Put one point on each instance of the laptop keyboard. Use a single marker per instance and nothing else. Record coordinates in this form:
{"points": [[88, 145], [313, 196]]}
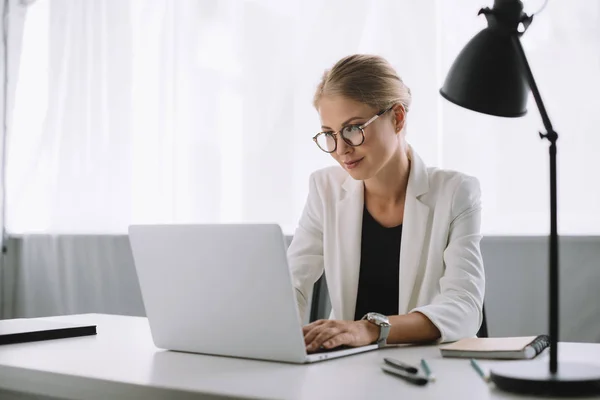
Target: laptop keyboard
{"points": [[324, 350]]}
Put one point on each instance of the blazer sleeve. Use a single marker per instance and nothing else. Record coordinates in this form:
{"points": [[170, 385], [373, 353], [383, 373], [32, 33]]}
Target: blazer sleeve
{"points": [[457, 310], [305, 254]]}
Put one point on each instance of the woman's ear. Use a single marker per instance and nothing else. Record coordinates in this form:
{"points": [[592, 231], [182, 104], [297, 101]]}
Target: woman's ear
{"points": [[399, 117]]}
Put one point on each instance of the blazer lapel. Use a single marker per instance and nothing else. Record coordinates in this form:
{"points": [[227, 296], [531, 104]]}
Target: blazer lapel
{"points": [[349, 213], [349, 228], [414, 228]]}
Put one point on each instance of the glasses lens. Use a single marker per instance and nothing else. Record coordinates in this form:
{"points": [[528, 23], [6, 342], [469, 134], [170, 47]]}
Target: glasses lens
{"points": [[326, 142], [352, 135]]}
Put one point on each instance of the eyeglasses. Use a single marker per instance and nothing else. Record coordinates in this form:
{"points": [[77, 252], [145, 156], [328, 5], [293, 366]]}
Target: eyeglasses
{"points": [[353, 135]]}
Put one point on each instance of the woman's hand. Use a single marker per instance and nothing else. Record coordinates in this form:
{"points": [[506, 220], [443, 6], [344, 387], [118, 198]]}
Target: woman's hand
{"points": [[330, 334]]}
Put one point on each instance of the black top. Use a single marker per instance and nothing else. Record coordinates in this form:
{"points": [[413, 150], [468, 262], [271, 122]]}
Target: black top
{"points": [[378, 283]]}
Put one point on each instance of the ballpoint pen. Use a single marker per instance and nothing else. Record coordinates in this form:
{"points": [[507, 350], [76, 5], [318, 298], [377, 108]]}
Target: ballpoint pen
{"points": [[412, 378], [427, 370], [399, 364], [479, 371]]}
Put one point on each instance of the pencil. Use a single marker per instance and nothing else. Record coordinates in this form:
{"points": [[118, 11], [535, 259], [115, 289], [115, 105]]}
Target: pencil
{"points": [[479, 371], [427, 370]]}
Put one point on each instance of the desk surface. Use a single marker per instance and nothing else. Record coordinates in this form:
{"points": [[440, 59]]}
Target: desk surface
{"points": [[122, 361]]}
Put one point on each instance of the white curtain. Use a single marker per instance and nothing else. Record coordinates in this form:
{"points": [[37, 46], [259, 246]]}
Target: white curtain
{"points": [[131, 111], [11, 28], [200, 111], [187, 111]]}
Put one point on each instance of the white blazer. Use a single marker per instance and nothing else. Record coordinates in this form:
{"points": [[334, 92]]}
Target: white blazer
{"points": [[441, 268]]}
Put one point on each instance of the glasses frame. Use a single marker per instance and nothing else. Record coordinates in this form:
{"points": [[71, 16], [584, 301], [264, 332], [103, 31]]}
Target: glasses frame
{"points": [[339, 133]]}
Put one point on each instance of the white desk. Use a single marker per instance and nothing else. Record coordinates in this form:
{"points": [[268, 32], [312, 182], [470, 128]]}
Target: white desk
{"points": [[122, 362]]}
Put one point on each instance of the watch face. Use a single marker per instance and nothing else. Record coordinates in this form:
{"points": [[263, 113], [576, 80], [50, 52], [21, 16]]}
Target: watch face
{"points": [[378, 319]]}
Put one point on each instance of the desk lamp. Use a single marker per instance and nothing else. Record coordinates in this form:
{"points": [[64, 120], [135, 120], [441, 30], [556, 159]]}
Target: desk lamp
{"points": [[491, 75]]}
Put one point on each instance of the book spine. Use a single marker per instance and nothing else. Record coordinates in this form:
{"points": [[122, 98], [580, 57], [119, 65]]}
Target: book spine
{"points": [[540, 343]]}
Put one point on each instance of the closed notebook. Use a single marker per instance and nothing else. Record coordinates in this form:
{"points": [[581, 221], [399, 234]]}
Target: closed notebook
{"points": [[508, 348], [30, 330]]}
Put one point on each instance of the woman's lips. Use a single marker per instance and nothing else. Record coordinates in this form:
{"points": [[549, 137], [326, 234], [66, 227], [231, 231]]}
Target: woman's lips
{"points": [[352, 164]]}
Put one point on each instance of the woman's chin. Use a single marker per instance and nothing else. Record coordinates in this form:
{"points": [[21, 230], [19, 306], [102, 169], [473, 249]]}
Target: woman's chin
{"points": [[359, 174]]}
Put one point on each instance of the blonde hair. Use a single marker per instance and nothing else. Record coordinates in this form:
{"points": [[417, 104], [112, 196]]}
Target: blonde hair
{"points": [[368, 79]]}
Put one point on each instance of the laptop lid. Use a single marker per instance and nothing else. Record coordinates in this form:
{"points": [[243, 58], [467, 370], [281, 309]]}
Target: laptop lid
{"points": [[220, 289]]}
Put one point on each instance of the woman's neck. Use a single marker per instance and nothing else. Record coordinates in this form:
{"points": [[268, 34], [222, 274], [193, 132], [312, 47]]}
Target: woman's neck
{"points": [[389, 185]]}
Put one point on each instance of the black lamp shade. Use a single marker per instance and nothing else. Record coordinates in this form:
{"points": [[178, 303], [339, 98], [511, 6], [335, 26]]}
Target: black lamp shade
{"points": [[486, 76]]}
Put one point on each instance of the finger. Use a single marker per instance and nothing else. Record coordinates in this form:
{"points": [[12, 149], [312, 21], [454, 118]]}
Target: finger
{"points": [[343, 338], [316, 327], [323, 336], [315, 331], [307, 328]]}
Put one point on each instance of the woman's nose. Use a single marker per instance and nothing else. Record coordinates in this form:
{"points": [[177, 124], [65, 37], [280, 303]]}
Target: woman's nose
{"points": [[342, 146]]}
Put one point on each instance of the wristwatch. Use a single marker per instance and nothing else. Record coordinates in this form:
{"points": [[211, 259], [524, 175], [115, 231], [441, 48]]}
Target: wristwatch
{"points": [[383, 323]]}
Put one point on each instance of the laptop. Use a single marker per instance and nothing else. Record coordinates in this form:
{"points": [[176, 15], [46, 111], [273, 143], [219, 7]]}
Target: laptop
{"points": [[222, 289]]}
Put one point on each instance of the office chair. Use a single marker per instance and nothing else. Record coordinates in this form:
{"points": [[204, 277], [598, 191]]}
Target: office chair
{"points": [[319, 297], [483, 330]]}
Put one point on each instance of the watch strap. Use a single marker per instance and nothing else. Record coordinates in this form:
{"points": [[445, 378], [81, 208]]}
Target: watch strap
{"points": [[384, 331]]}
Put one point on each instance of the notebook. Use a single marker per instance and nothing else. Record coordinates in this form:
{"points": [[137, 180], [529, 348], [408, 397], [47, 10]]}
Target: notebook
{"points": [[30, 330], [509, 348]]}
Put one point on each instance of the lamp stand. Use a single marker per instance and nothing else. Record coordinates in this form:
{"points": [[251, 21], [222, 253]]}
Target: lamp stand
{"points": [[563, 378]]}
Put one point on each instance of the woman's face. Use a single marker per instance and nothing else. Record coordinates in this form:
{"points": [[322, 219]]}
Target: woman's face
{"points": [[381, 136]]}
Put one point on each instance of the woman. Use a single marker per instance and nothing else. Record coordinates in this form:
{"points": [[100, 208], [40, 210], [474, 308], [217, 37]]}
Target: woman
{"points": [[398, 242]]}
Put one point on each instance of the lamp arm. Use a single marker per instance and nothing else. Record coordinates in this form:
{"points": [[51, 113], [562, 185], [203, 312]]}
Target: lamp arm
{"points": [[533, 86], [552, 137]]}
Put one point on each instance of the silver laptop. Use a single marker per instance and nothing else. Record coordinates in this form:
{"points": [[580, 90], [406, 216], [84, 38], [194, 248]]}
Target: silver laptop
{"points": [[222, 289]]}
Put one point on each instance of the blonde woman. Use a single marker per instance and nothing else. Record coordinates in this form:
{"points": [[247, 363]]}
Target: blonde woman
{"points": [[398, 241]]}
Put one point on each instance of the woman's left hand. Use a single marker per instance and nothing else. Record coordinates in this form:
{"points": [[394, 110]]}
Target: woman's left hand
{"points": [[330, 334]]}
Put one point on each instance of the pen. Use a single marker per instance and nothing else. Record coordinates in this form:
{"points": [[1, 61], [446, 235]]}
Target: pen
{"points": [[412, 378], [399, 364], [479, 371], [427, 370]]}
